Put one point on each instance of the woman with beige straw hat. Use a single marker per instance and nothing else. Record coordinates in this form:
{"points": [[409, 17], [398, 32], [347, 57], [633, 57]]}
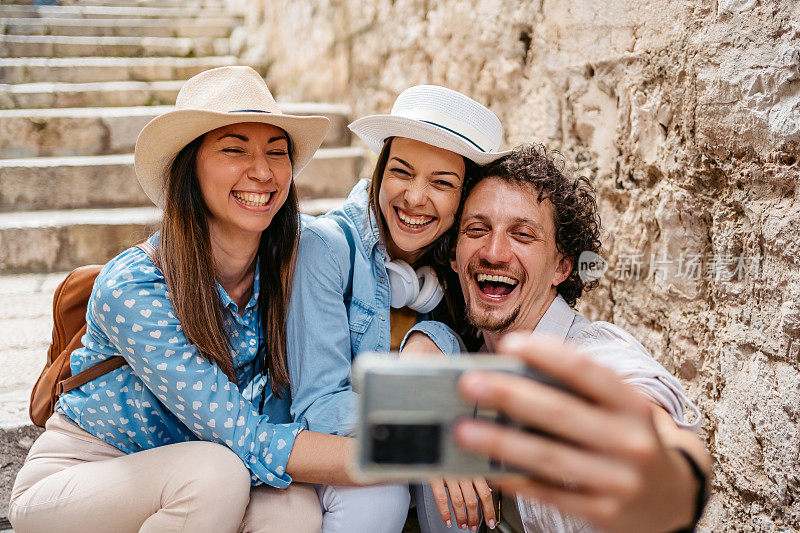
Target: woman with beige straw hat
{"points": [[368, 271], [198, 410]]}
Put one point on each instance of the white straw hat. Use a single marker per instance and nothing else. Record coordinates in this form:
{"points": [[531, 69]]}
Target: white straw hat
{"points": [[440, 117], [212, 99]]}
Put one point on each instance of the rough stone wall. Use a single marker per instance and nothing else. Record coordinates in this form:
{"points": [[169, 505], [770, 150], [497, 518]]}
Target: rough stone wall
{"points": [[686, 117]]}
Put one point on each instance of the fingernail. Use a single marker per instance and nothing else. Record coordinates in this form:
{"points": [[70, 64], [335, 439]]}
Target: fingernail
{"points": [[464, 527], [475, 386], [474, 529], [491, 523], [448, 523], [467, 433]]}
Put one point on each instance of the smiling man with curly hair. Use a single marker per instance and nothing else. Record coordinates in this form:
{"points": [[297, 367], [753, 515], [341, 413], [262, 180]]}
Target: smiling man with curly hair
{"points": [[621, 453]]}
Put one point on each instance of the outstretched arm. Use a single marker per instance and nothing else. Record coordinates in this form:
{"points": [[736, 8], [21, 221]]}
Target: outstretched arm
{"points": [[614, 457]]}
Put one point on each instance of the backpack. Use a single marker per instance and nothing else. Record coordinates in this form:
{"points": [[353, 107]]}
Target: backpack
{"points": [[69, 324]]}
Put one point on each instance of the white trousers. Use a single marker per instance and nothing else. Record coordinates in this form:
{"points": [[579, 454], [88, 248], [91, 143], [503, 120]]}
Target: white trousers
{"points": [[376, 509], [74, 482]]}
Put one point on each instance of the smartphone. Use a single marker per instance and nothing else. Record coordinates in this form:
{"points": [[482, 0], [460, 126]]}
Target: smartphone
{"points": [[407, 409]]}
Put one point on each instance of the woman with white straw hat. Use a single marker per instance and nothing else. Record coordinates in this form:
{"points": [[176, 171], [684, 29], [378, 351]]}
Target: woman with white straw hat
{"points": [[173, 438], [368, 271]]}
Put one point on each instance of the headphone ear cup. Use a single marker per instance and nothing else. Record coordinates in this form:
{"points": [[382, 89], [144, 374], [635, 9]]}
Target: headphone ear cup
{"points": [[403, 283], [430, 292]]}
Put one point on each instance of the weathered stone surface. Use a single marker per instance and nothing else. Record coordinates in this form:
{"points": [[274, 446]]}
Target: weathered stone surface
{"points": [[101, 69], [69, 182], [127, 27], [116, 11], [47, 241], [331, 174], [14, 446], [59, 46], [686, 117], [103, 94], [133, 3]]}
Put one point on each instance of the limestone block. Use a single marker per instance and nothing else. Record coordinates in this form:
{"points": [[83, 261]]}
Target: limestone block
{"points": [[64, 183], [122, 133], [42, 136], [24, 249], [330, 175], [85, 244]]}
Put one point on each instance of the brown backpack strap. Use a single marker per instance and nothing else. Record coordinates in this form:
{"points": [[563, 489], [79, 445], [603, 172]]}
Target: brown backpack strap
{"points": [[95, 371], [150, 250], [110, 364]]}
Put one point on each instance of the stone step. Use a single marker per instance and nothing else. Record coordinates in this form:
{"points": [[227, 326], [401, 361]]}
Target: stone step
{"points": [[113, 130], [102, 94], [208, 4], [47, 183], [102, 69], [26, 324], [87, 11], [134, 27], [60, 46], [49, 241], [45, 241]]}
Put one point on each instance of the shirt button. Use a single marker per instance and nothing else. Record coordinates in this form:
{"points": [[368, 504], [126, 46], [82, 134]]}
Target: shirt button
{"points": [[383, 280]]}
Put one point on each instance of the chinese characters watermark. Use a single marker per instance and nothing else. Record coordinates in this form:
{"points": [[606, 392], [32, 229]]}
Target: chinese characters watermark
{"points": [[689, 267]]}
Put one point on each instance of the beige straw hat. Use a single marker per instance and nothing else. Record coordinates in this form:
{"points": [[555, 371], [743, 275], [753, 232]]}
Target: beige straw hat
{"points": [[440, 117], [210, 100]]}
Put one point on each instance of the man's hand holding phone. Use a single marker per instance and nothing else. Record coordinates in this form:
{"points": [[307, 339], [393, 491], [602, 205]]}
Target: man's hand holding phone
{"points": [[606, 454]]}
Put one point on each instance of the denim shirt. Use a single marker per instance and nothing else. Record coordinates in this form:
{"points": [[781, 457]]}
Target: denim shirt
{"points": [[340, 308], [168, 392]]}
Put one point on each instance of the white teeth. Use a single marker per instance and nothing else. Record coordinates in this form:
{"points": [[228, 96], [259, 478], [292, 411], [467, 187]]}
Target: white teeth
{"points": [[253, 199], [414, 221], [497, 279]]}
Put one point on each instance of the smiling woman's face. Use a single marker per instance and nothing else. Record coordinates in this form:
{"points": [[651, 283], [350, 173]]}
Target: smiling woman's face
{"points": [[419, 195], [244, 172]]}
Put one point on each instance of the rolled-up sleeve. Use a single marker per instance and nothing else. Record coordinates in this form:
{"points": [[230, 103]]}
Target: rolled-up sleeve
{"points": [[618, 350], [133, 311], [447, 340], [318, 340]]}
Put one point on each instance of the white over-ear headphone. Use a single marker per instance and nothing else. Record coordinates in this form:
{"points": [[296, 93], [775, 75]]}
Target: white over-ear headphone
{"points": [[419, 290]]}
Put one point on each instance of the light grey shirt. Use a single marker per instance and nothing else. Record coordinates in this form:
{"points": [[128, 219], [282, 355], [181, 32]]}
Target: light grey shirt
{"points": [[612, 347]]}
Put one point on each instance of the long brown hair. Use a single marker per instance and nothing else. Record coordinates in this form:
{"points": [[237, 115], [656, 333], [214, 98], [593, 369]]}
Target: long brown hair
{"points": [[437, 255], [186, 260]]}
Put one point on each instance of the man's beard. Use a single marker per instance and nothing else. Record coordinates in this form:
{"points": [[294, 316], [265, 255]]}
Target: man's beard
{"points": [[487, 323]]}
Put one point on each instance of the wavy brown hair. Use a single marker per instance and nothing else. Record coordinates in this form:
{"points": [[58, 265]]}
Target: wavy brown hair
{"points": [[575, 215], [185, 258]]}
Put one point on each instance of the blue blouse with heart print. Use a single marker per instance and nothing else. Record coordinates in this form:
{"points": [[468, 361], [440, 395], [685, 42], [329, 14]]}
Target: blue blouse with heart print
{"points": [[168, 392]]}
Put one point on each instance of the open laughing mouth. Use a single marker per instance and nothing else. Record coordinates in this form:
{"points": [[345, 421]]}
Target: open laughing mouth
{"points": [[495, 286], [412, 222], [253, 199]]}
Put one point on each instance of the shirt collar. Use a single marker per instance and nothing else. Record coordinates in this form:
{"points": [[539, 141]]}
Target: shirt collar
{"points": [[228, 302], [557, 320], [366, 222]]}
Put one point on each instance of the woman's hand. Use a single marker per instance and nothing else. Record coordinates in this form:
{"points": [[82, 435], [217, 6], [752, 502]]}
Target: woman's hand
{"points": [[468, 496], [606, 454]]}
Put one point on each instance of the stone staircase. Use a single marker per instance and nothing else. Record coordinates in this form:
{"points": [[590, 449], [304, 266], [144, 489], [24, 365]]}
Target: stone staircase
{"points": [[78, 81]]}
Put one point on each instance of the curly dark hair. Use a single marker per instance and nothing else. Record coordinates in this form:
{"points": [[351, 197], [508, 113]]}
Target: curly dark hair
{"points": [[575, 215]]}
